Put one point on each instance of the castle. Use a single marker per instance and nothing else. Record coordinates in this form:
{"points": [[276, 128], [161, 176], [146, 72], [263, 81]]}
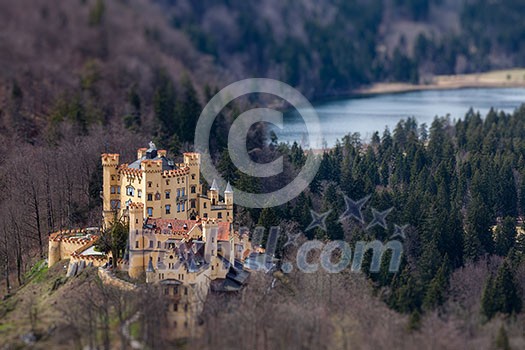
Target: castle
{"points": [[165, 189], [179, 237]]}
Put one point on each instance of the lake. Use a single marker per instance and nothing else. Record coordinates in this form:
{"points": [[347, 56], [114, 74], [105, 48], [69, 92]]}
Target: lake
{"points": [[368, 114]]}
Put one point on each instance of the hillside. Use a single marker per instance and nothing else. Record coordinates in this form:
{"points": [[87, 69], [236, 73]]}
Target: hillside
{"points": [[94, 61]]}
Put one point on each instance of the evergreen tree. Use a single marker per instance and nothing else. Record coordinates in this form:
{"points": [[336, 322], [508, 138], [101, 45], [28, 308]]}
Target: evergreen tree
{"points": [[505, 236], [164, 104], [501, 294], [436, 292], [479, 225], [187, 111]]}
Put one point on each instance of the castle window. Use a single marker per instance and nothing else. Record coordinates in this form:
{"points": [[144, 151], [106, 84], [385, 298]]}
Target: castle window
{"points": [[183, 191], [182, 206], [178, 180], [204, 205], [192, 203], [136, 221], [149, 183], [182, 180], [178, 192], [150, 211], [115, 204], [193, 176], [112, 177], [157, 196], [167, 182], [139, 193], [167, 194], [150, 196], [151, 244], [178, 207], [193, 189], [118, 189], [205, 215], [136, 244], [175, 307], [112, 189], [130, 191], [219, 215], [168, 209], [227, 213]]}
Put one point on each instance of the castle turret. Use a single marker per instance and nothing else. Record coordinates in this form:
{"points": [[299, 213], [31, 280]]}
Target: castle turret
{"points": [[213, 193], [110, 194], [54, 252], [228, 195], [150, 271]]}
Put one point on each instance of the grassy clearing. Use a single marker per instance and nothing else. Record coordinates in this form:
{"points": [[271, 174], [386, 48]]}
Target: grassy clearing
{"points": [[38, 272]]}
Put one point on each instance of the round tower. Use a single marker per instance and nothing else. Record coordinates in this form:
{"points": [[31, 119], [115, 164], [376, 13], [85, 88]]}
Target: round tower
{"points": [[228, 195], [54, 252], [213, 193]]}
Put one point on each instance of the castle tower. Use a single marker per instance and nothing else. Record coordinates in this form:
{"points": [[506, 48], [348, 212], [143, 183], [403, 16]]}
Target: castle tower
{"points": [[193, 162], [54, 252], [110, 196], [228, 196], [210, 231], [137, 259], [213, 193]]}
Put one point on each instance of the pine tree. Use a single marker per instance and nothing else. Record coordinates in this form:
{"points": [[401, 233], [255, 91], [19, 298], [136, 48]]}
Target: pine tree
{"points": [[479, 223], [505, 236], [187, 111], [164, 104], [437, 289], [501, 294]]}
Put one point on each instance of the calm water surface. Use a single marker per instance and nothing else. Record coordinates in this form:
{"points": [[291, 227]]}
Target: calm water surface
{"points": [[366, 115]]}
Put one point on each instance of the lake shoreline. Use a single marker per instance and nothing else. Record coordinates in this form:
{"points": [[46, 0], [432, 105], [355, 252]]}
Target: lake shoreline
{"points": [[511, 78]]}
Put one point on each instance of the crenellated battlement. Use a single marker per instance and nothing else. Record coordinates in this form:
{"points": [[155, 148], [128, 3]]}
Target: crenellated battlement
{"points": [[135, 205], [151, 165], [177, 172], [110, 159], [124, 169]]}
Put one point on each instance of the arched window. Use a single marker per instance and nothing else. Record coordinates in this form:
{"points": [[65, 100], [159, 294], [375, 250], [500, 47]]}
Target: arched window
{"points": [[130, 191]]}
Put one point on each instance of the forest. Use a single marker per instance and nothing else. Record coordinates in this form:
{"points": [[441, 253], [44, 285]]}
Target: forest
{"points": [[79, 78]]}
